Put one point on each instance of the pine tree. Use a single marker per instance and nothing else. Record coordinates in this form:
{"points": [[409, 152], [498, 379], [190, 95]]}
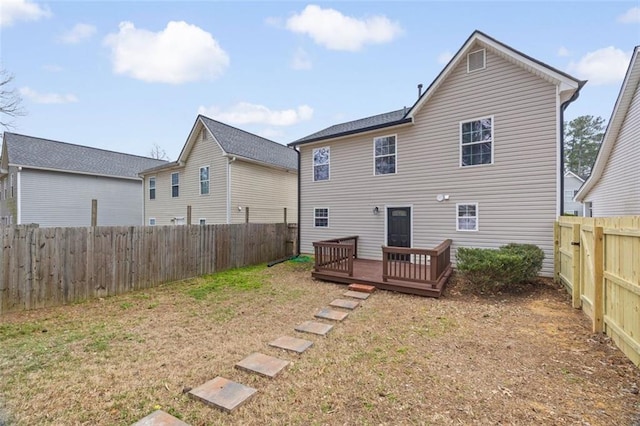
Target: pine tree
{"points": [[582, 139]]}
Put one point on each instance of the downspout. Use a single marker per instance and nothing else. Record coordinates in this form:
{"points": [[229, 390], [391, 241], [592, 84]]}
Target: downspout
{"points": [[299, 203], [564, 106], [19, 198], [229, 161]]}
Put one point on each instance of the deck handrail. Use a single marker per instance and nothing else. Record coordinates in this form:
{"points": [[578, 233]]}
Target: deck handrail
{"points": [[336, 255], [416, 265]]}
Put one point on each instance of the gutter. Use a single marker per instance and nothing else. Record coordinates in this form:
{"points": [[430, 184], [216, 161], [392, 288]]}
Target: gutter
{"points": [[351, 132]]}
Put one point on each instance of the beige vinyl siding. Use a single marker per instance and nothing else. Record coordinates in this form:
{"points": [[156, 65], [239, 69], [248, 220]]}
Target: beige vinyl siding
{"points": [[64, 199], [617, 192], [212, 207], [267, 191], [516, 195]]}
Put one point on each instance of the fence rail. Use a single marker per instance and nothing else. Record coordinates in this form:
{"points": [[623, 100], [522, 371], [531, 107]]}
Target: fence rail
{"points": [[41, 267], [598, 261]]}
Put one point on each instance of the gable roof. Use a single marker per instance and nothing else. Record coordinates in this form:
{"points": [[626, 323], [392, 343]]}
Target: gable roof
{"points": [[568, 87], [45, 154], [629, 88], [569, 173]]}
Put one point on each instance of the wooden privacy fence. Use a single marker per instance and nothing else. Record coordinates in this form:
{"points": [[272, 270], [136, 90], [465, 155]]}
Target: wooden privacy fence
{"points": [[42, 267], [598, 261]]}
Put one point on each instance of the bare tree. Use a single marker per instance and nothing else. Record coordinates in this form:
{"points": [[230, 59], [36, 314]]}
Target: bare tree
{"points": [[10, 100], [158, 153]]}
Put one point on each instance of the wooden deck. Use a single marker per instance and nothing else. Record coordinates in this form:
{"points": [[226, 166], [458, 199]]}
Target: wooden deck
{"points": [[370, 272]]}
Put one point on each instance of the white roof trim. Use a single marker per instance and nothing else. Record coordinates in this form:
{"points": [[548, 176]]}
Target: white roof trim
{"points": [[569, 173], [75, 172], [627, 91]]}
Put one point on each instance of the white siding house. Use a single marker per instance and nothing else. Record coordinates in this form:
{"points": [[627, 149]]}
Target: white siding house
{"points": [[476, 159], [220, 172], [53, 183], [613, 189], [572, 183]]}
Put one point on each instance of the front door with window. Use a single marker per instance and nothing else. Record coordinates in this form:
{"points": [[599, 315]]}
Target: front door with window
{"points": [[399, 228]]}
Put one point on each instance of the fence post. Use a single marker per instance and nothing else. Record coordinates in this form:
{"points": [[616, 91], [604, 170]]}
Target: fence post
{"points": [[598, 279], [556, 252], [575, 267], [246, 214], [94, 212], [285, 215], [188, 215]]}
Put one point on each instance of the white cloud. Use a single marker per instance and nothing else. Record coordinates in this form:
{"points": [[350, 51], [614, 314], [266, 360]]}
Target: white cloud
{"points": [[247, 113], [603, 66], [301, 60], [271, 133], [180, 53], [47, 98], [563, 51], [78, 33], [335, 31], [21, 10], [445, 57], [631, 16]]}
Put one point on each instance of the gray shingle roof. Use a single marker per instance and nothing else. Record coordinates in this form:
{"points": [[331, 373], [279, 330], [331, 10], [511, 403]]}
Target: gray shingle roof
{"points": [[28, 151], [357, 126], [244, 144]]}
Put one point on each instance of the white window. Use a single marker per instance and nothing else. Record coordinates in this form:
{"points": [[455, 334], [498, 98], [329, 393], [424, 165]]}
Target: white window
{"points": [[476, 142], [467, 217], [175, 184], [569, 194], [588, 209], [321, 157], [12, 186], [152, 188], [179, 221], [202, 221], [384, 155], [321, 218], [204, 180], [476, 60], [152, 221]]}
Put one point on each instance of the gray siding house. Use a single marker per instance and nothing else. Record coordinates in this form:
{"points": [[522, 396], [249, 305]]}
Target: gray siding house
{"points": [[613, 188], [572, 183], [476, 159], [220, 172], [53, 183]]}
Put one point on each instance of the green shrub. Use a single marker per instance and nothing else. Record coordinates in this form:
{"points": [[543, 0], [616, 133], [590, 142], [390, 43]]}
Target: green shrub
{"points": [[493, 269]]}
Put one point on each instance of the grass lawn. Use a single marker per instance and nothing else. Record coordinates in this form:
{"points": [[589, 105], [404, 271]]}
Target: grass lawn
{"points": [[463, 359]]}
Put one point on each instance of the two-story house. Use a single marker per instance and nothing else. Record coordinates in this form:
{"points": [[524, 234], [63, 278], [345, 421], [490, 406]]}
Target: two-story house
{"points": [[54, 183], [221, 172], [476, 159], [572, 183]]}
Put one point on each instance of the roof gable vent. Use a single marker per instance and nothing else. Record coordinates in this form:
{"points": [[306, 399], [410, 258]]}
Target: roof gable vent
{"points": [[476, 60]]}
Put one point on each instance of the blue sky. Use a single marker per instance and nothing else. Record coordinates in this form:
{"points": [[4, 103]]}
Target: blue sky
{"points": [[126, 75]]}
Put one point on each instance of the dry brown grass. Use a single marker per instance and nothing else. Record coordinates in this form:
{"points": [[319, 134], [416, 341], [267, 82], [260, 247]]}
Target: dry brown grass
{"points": [[463, 359]]}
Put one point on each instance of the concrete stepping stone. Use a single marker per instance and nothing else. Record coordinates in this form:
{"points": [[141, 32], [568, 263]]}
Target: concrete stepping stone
{"points": [[160, 418], [346, 304], [223, 394], [314, 327], [357, 294], [291, 344], [262, 364], [331, 314], [362, 287]]}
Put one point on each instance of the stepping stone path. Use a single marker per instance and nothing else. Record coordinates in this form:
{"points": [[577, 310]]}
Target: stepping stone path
{"points": [[291, 344], [227, 395], [262, 364]]}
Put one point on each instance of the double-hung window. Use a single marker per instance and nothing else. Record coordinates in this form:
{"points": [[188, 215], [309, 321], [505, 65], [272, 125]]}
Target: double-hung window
{"points": [[175, 184], [384, 155], [467, 217], [321, 218], [204, 180], [152, 188], [476, 142], [321, 159], [152, 221]]}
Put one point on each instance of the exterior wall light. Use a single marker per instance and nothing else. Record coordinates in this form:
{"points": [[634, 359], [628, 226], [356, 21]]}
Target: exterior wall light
{"points": [[376, 210]]}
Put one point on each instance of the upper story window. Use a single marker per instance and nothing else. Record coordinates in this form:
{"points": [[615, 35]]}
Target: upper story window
{"points": [[152, 188], [476, 60], [384, 155], [476, 142], [467, 217], [321, 157], [204, 180], [175, 184]]}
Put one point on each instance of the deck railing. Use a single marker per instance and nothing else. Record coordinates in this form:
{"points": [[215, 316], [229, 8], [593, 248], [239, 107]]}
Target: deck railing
{"points": [[336, 255], [416, 265]]}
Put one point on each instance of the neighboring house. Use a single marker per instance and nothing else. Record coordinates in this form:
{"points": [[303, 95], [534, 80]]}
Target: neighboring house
{"points": [[220, 172], [53, 183], [476, 159], [613, 188], [572, 183]]}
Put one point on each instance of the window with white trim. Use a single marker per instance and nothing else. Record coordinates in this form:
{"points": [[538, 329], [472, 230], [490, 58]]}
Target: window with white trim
{"points": [[467, 217], [384, 155], [152, 221], [175, 184], [321, 217], [152, 188], [202, 221], [321, 159], [476, 60], [569, 194], [204, 180], [476, 142]]}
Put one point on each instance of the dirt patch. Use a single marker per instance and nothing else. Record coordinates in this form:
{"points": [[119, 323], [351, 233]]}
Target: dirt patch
{"points": [[525, 358]]}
